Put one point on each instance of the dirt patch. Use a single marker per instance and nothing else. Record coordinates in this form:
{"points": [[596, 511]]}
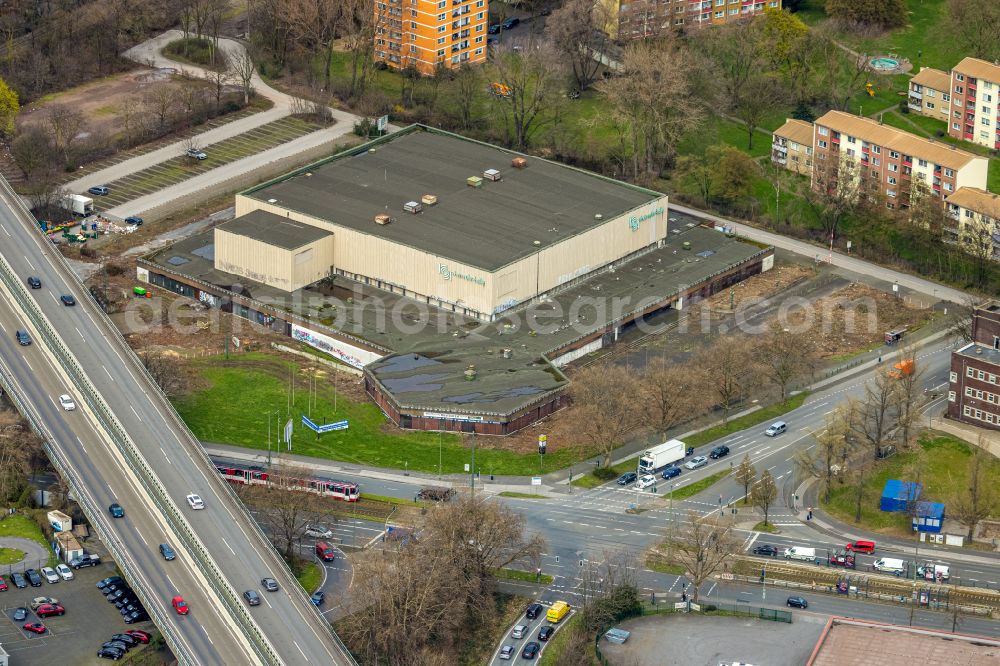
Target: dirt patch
{"points": [[762, 285]]}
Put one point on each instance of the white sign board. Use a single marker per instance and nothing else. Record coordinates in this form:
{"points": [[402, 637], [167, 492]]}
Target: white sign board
{"points": [[382, 123], [536, 480]]}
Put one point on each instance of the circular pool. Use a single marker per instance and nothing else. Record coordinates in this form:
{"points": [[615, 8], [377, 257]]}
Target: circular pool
{"points": [[884, 64]]}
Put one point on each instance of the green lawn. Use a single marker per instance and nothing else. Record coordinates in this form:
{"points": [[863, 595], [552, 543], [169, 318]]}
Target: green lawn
{"points": [[20, 525], [11, 555], [527, 576], [762, 415], [718, 130], [943, 476], [659, 565], [559, 643], [232, 408], [311, 577], [693, 489], [765, 527], [510, 493], [927, 41]]}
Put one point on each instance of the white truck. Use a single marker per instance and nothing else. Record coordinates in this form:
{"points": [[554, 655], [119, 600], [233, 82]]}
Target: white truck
{"points": [[78, 204], [890, 565], [800, 553], [661, 455]]}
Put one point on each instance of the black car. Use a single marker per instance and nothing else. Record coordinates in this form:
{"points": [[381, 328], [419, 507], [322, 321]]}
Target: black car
{"points": [[533, 611], [129, 641], [511, 22], [765, 549], [797, 602], [167, 552], [530, 650], [627, 478], [115, 645], [118, 595], [136, 616], [18, 580], [134, 607], [137, 221], [690, 451], [253, 599], [110, 653], [34, 282], [85, 561], [671, 471], [127, 600], [110, 580], [67, 300], [545, 633], [33, 577], [494, 29], [114, 587], [719, 452], [22, 337]]}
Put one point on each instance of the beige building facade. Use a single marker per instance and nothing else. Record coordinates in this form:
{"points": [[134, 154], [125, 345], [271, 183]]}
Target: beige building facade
{"points": [[792, 146], [977, 220], [930, 94], [975, 102]]}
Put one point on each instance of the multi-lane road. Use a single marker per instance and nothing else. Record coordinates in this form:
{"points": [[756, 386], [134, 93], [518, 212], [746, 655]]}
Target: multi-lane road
{"points": [[293, 632]]}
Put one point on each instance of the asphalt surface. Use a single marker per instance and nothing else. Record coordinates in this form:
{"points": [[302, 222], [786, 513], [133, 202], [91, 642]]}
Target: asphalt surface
{"points": [[290, 624]]}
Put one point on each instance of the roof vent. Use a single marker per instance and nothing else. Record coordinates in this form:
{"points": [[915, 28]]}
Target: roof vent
{"points": [[979, 350], [272, 201], [536, 243], [598, 216], [474, 181], [412, 207], [519, 163], [506, 353], [492, 174], [382, 219], [428, 199], [470, 373]]}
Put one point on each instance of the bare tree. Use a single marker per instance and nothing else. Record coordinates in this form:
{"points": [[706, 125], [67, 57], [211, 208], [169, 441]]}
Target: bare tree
{"points": [[785, 356], [870, 418], [727, 370], [978, 499], [977, 24], [18, 445], [360, 23], [285, 509], [608, 589], [604, 406], [467, 95], [533, 84], [243, 67], [671, 394], [763, 95], [577, 33], [763, 494], [907, 395], [65, 126], [701, 548], [315, 23], [220, 77], [165, 370], [745, 474], [828, 456], [160, 102]]}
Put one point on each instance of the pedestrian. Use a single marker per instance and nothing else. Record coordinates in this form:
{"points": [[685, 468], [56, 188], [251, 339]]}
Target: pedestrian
{"points": [[810, 515], [720, 499], [684, 597]]}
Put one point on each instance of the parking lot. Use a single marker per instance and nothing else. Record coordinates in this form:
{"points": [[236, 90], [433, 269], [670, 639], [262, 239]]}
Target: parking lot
{"points": [[73, 638]]}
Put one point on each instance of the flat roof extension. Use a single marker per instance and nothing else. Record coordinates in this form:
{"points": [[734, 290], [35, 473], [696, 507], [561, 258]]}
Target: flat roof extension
{"points": [[273, 230], [487, 227]]}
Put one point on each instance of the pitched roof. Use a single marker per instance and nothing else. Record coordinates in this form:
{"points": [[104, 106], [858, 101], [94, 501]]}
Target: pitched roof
{"points": [[932, 78], [981, 69], [977, 200], [798, 131], [870, 131]]}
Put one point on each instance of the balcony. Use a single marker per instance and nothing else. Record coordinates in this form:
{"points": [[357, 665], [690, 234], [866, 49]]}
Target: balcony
{"points": [[916, 93]]}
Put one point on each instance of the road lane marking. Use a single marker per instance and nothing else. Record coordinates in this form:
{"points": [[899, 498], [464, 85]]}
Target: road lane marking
{"points": [[81, 334], [165, 456], [143, 538], [135, 412], [29, 262], [54, 298], [300, 651], [229, 547], [110, 377], [80, 441], [209, 637], [5, 231]]}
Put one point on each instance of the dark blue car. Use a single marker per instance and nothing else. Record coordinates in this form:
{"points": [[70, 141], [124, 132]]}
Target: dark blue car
{"points": [[627, 478], [671, 471], [317, 598], [99, 190]]}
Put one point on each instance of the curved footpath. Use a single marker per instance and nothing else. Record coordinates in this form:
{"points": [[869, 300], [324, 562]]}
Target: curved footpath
{"points": [[34, 552]]}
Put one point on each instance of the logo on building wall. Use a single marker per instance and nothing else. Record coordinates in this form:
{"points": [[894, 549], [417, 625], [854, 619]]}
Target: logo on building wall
{"points": [[636, 220], [447, 274]]}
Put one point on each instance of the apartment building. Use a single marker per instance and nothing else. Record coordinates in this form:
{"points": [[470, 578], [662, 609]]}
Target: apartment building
{"points": [[638, 19], [975, 102], [851, 152], [974, 381], [791, 146], [977, 220], [930, 94], [424, 33]]}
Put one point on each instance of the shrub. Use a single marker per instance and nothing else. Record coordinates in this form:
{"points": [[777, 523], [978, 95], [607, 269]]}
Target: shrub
{"points": [[605, 473]]}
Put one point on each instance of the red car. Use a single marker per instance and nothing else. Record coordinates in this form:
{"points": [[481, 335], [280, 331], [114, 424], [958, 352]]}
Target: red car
{"points": [[46, 610], [138, 635], [3, 584], [180, 605], [35, 627]]}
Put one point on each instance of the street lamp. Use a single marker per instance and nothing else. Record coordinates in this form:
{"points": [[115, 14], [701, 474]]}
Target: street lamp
{"points": [[269, 414]]}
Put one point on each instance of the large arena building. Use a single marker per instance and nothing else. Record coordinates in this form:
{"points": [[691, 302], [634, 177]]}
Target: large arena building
{"points": [[442, 219]]}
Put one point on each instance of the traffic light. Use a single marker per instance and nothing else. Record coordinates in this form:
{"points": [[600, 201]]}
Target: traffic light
{"points": [[542, 443]]}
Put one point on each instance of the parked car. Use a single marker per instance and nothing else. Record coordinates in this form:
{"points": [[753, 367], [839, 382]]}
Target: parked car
{"points": [[627, 478], [64, 571], [34, 282], [133, 607], [116, 510], [670, 471], [35, 627], [167, 552], [129, 641], [696, 462], [494, 29], [67, 300], [861, 546], [110, 653], [126, 601], [196, 154], [253, 599], [545, 633], [138, 635], [23, 338], [118, 595], [318, 531], [512, 22], [797, 602], [136, 616], [269, 584], [38, 602], [180, 605], [85, 561], [530, 650], [50, 609], [50, 575], [195, 501], [765, 549], [67, 403], [18, 580], [33, 578], [137, 221], [114, 587], [110, 580], [506, 652], [99, 190], [534, 610], [3, 584], [519, 631], [719, 452], [115, 645], [317, 598], [20, 613]]}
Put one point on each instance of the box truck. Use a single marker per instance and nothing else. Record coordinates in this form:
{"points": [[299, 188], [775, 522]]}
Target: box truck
{"points": [[800, 553], [78, 204], [661, 455]]}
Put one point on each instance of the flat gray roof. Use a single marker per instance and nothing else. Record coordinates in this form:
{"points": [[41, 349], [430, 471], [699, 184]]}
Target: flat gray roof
{"points": [[273, 230], [487, 227]]}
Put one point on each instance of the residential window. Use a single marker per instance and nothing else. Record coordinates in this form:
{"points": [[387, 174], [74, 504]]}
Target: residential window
{"points": [[876, 161], [441, 40], [893, 154], [441, 53], [959, 89], [413, 25], [894, 168], [892, 181], [929, 93], [822, 131], [949, 173], [922, 163], [945, 97], [479, 52], [890, 193], [984, 121], [960, 77], [822, 144], [969, 372], [877, 150], [949, 187], [956, 126], [929, 105], [442, 17], [951, 396], [850, 139], [479, 40], [952, 376]]}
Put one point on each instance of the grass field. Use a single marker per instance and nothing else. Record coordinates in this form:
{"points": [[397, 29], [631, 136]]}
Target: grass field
{"points": [[311, 576], [233, 409], [558, 644], [527, 576], [693, 489], [11, 555], [943, 476], [24, 527], [510, 493]]}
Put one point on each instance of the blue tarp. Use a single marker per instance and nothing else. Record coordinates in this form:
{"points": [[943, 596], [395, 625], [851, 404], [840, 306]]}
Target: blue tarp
{"points": [[898, 494], [929, 517]]}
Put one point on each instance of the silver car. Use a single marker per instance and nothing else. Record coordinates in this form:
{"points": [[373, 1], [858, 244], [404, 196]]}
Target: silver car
{"points": [[318, 532], [520, 631], [49, 574], [695, 463], [506, 652]]}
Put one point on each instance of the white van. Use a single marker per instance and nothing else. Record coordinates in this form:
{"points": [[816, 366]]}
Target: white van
{"points": [[800, 553], [890, 565], [776, 428]]}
